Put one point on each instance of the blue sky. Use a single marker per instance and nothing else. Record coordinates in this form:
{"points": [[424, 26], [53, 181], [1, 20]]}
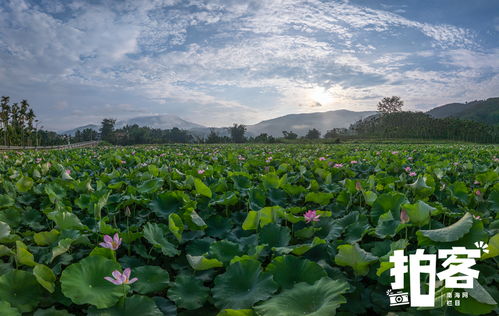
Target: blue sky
{"points": [[220, 62]]}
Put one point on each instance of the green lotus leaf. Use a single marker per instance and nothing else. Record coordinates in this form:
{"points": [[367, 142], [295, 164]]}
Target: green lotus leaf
{"points": [[289, 270], [450, 233], [200, 263], [201, 188], [20, 289], [6, 201], [321, 198], [104, 252], [479, 301], [176, 226], [242, 285], [4, 230], [188, 292], [46, 238], [493, 247], [299, 249], [83, 282], [419, 212], [133, 305], [236, 312], [355, 257], [320, 299], [459, 191], [23, 256], [62, 247], [52, 312], [65, 220], [225, 250], [391, 201], [156, 236], [45, 276], [167, 307], [150, 186], [387, 225], [7, 310], [24, 184], [421, 187], [151, 279], [275, 235], [168, 202]]}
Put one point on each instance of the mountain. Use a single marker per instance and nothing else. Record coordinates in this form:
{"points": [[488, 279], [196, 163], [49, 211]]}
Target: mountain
{"points": [[301, 123], [164, 121], [485, 111], [81, 128]]}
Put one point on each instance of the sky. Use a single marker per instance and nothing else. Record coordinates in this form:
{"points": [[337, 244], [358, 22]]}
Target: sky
{"points": [[220, 62]]}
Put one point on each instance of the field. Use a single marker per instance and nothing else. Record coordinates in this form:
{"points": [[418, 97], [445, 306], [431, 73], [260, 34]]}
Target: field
{"points": [[227, 230]]}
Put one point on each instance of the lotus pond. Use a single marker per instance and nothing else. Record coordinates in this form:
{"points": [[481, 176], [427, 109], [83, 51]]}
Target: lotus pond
{"points": [[270, 230]]}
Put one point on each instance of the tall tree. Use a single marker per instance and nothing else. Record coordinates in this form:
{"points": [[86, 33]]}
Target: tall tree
{"points": [[107, 130], [5, 116], [390, 104], [237, 133], [313, 134]]}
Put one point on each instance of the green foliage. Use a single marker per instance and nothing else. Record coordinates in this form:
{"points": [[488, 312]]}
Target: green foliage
{"points": [[233, 240]]}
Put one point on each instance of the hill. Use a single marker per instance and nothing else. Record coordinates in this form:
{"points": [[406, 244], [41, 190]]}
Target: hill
{"points": [[485, 111], [301, 123]]}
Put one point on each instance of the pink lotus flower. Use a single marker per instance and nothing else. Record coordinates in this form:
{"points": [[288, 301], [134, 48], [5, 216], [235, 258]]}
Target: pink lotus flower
{"points": [[456, 163], [5, 157], [201, 171], [121, 278], [123, 162], [407, 169], [241, 157], [378, 153], [354, 162], [395, 152], [322, 158], [476, 182], [404, 217], [476, 217], [68, 172], [413, 174], [162, 155], [38, 160], [311, 216], [111, 243], [338, 165], [410, 158], [478, 193], [268, 160]]}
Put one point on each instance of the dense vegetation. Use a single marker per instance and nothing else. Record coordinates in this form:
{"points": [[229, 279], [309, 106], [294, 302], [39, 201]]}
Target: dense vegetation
{"points": [[485, 111], [19, 126], [211, 228], [419, 125]]}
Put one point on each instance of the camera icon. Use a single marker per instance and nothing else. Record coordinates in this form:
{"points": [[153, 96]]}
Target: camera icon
{"points": [[399, 298]]}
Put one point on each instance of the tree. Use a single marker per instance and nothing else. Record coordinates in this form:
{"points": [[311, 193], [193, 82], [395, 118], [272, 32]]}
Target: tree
{"points": [[213, 137], [390, 105], [313, 134], [107, 130], [289, 135], [5, 115], [237, 133]]}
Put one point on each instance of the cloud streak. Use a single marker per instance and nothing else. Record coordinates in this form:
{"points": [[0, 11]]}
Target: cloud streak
{"points": [[190, 57]]}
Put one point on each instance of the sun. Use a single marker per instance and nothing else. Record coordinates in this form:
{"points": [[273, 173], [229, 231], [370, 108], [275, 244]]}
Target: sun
{"points": [[321, 95]]}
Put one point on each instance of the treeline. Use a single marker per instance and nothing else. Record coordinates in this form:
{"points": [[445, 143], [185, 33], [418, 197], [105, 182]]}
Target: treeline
{"points": [[19, 126], [420, 125]]}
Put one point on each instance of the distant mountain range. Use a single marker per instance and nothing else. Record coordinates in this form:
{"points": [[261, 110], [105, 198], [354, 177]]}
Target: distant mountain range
{"points": [[486, 111]]}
